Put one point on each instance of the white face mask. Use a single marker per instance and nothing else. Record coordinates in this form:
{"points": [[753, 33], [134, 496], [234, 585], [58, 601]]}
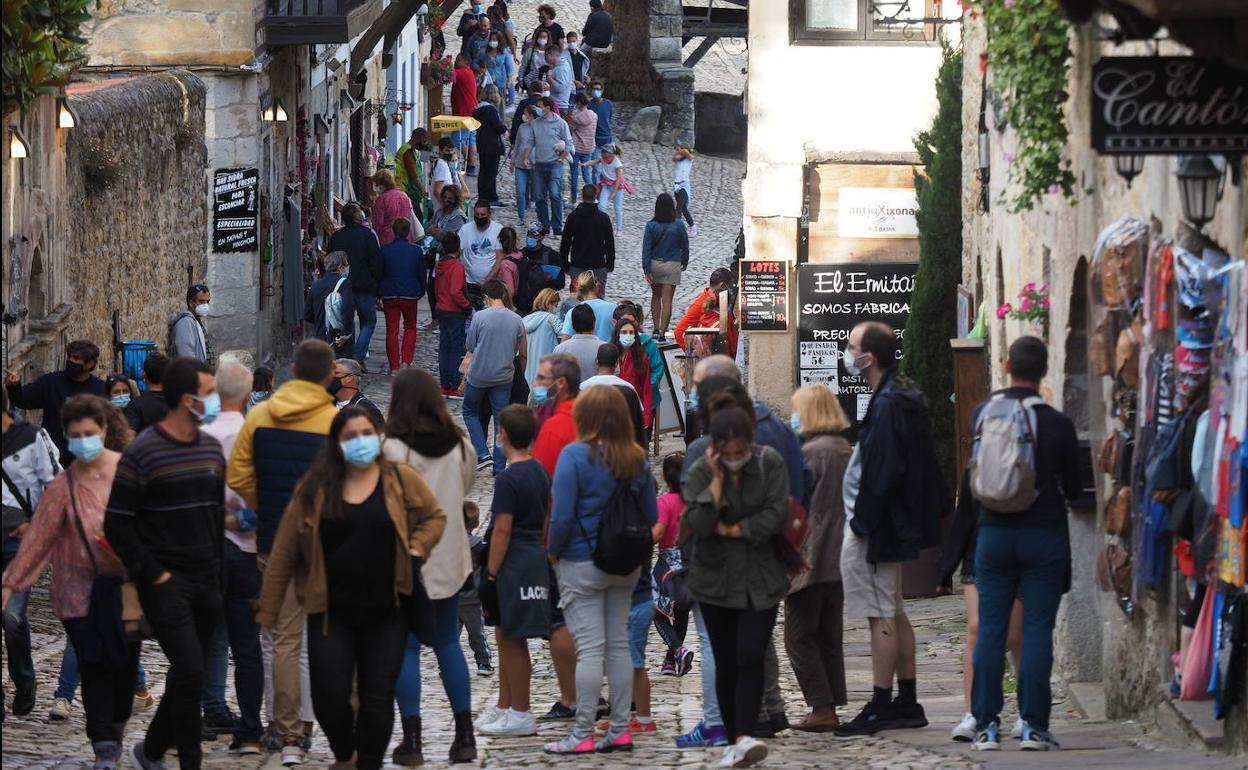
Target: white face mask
{"points": [[851, 362], [541, 42], [203, 310], [545, 93], [493, 44], [737, 464], [574, 46]]}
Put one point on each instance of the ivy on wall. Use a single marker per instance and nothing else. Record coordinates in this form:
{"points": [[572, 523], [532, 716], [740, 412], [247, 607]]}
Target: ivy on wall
{"points": [[42, 46], [933, 309], [1029, 59]]}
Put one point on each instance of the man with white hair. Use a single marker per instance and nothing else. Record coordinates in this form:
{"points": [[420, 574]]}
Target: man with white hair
{"points": [[241, 634], [348, 390]]}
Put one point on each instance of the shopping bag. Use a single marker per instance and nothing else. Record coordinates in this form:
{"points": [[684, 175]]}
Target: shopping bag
{"points": [[1198, 666]]}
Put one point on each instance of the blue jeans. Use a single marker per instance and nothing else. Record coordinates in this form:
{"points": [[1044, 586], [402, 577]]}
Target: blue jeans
{"points": [[1031, 564], [452, 343], [366, 312], [547, 186], [581, 175], [499, 397], [17, 629], [639, 617], [451, 664], [523, 193], [710, 697], [605, 196], [240, 633]]}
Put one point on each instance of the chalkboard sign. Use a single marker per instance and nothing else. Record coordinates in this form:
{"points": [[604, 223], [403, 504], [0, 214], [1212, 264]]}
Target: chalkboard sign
{"points": [[235, 208], [764, 286], [831, 300]]}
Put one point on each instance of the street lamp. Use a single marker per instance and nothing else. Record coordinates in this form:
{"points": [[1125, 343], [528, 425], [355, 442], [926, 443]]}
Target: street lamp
{"points": [[1200, 188], [18, 146], [1129, 165], [274, 112], [66, 115]]}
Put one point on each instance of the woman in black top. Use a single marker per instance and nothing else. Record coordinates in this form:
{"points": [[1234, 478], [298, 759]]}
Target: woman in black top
{"points": [[490, 145]]}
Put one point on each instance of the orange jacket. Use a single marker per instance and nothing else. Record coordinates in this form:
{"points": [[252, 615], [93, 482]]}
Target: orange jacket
{"points": [[693, 318]]}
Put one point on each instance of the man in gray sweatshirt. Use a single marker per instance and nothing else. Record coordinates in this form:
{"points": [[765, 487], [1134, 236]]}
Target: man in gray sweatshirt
{"points": [[497, 343], [552, 142]]}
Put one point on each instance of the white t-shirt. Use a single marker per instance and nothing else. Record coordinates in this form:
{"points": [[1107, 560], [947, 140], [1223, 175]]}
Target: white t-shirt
{"points": [[605, 379], [609, 169], [442, 173], [680, 170], [851, 482], [479, 248]]}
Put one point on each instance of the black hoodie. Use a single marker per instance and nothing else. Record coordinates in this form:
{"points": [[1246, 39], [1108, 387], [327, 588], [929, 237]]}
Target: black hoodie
{"points": [[588, 239]]}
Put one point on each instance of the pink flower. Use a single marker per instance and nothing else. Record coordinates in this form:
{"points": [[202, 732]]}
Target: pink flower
{"points": [[1052, 189], [1044, 289], [1044, 303], [1004, 310], [1009, 157], [1024, 306], [1028, 289], [1009, 3]]}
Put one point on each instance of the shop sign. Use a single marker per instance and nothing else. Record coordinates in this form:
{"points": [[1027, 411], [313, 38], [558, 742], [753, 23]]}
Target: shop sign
{"points": [[877, 212], [764, 291], [831, 300], [1165, 105], [235, 209]]}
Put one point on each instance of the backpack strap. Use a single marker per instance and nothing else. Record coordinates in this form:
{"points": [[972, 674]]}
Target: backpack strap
{"points": [[338, 285]]}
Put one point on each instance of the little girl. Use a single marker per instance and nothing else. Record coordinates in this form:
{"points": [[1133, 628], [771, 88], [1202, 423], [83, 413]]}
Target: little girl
{"points": [[671, 618], [611, 182], [682, 165]]}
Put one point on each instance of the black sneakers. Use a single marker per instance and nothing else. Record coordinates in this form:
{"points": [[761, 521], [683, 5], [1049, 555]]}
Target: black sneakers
{"points": [[908, 715], [894, 716], [558, 712]]}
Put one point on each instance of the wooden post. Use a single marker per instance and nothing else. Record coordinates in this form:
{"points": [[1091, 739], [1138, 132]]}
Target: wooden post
{"points": [[970, 386]]}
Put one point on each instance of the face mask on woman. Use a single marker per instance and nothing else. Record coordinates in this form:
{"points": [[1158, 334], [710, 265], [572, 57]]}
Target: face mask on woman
{"points": [[493, 44], [361, 451], [122, 400], [736, 465], [541, 42], [539, 111], [86, 448], [693, 399], [530, 243], [627, 340], [795, 422]]}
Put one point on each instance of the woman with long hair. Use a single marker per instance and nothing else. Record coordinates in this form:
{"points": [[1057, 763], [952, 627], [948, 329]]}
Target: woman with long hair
{"points": [[634, 364], [120, 390], [664, 256], [66, 532], [591, 471], [737, 498], [507, 265], [421, 435], [813, 610], [353, 539]]}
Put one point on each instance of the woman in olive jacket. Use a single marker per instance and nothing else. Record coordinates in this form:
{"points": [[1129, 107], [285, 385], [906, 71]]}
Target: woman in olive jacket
{"points": [[813, 630], [736, 500], [352, 540]]}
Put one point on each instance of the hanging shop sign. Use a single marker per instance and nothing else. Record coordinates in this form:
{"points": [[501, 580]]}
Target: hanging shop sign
{"points": [[1163, 105], [764, 291], [235, 209], [831, 300], [877, 212]]}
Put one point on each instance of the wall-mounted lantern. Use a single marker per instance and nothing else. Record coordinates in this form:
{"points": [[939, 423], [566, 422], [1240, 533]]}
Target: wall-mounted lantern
{"points": [[19, 147], [1129, 166], [66, 115], [1200, 188]]}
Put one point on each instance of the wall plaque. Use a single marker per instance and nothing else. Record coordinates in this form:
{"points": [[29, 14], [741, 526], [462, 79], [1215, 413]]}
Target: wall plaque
{"points": [[235, 209]]}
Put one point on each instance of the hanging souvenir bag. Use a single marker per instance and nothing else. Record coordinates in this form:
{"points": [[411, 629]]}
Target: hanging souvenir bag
{"points": [[1198, 666]]}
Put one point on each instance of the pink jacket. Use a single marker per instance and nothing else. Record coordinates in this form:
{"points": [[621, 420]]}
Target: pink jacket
{"points": [[584, 123], [53, 536], [389, 206]]}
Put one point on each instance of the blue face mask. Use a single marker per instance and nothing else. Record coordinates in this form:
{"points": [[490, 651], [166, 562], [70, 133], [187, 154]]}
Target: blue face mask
{"points": [[627, 340], [361, 451], [597, 94], [693, 400], [795, 422], [541, 394], [539, 111], [212, 408], [530, 243], [121, 401], [86, 448]]}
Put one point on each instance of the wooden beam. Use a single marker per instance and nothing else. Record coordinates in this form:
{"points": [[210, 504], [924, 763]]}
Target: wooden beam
{"points": [[703, 48]]}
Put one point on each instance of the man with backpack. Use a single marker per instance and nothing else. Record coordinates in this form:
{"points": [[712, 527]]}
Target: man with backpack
{"points": [[367, 268], [187, 338], [588, 241], [331, 305], [894, 499], [1024, 468]]}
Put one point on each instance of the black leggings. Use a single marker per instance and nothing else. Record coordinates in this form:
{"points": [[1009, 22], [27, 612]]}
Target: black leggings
{"points": [[339, 655], [682, 206], [739, 640], [107, 690]]}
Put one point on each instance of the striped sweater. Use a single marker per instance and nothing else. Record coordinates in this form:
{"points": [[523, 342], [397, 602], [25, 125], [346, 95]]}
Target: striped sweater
{"points": [[167, 508]]}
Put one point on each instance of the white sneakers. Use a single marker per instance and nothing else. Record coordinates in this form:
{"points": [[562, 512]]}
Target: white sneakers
{"points": [[745, 752], [965, 730], [512, 723], [488, 717]]}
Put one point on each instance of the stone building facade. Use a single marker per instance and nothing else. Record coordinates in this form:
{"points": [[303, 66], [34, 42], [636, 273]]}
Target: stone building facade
{"points": [[106, 217]]}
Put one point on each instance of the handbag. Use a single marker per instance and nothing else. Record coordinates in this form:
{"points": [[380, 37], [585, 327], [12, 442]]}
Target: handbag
{"points": [[102, 637], [1198, 665]]}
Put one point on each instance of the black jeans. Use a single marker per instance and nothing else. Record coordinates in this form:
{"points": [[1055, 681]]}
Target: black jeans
{"points": [[739, 639], [682, 206], [487, 181], [242, 590], [184, 612], [368, 654], [17, 629], [107, 691]]}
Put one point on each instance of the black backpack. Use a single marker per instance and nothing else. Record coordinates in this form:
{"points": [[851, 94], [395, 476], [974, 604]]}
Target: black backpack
{"points": [[531, 279], [624, 541]]}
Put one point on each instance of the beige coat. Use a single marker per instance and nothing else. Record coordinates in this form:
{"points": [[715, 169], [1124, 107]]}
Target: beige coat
{"points": [[450, 478]]}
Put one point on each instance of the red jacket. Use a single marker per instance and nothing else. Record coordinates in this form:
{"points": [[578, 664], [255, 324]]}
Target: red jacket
{"points": [[448, 286], [639, 377], [463, 91], [694, 318], [557, 432]]}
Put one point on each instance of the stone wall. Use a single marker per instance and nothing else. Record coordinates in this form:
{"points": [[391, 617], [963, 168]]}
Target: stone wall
{"points": [[172, 32], [134, 176], [720, 127]]}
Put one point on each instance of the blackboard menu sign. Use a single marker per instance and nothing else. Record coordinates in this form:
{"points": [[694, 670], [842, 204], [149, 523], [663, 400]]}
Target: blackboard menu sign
{"points": [[831, 300], [235, 209], [1168, 104], [764, 291]]}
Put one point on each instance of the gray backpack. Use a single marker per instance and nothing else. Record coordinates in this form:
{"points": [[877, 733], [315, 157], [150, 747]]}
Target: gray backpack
{"points": [[1003, 457]]}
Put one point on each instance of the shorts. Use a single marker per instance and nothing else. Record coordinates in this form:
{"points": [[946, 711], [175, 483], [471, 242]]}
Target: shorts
{"points": [[639, 618], [871, 590], [463, 136]]}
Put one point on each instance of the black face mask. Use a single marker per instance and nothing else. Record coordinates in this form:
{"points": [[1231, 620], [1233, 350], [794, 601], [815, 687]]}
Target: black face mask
{"points": [[334, 386], [448, 203], [74, 370], [481, 221]]}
